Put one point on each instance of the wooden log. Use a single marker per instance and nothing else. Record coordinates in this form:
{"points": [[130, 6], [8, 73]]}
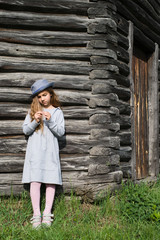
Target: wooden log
{"points": [[51, 6], [43, 20], [140, 20], [74, 162], [155, 4], [66, 97], [125, 138], [122, 54], [68, 144], [19, 111], [95, 169], [100, 12], [84, 178], [14, 127], [7, 190], [25, 80], [104, 86], [50, 52], [123, 68], [43, 65], [50, 38], [102, 25], [122, 92], [148, 6], [124, 153], [124, 121], [71, 178], [102, 44], [147, 41], [123, 41], [76, 126], [101, 74], [111, 160], [124, 107], [101, 150], [122, 24], [143, 15], [122, 80], [11, 165]]}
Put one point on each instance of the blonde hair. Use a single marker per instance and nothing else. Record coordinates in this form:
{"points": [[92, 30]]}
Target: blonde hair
{"points": [[36, 106]]}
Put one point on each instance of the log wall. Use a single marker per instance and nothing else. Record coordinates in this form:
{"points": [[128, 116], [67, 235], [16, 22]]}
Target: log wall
{"points": [[83, 46], [72, 43], [145, 18]]}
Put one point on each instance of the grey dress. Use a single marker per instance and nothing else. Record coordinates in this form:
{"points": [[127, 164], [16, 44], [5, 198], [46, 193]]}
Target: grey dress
{"points": [[42, 162]]}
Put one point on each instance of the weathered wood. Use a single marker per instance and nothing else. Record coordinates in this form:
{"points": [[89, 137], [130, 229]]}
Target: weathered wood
{"points": [[100, 12], [123, 68], [66, 97], [155, 4], [43, 20], [143, 15], [122, 54], [19, 111], [74, 162], [131, 10], [125, 138], [110, 160], [76, 126], [9, 127], [13, 181], [153, 112], [68, 144], [122, 80], [124, 153], [47, 52], [122, 92], [24, 79], [43, 65], [122, 24], [68, 6], [122, 41], [60, 38]]}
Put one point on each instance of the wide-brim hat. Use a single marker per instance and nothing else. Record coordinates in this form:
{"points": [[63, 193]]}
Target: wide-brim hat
{"points": [[39, 86]]}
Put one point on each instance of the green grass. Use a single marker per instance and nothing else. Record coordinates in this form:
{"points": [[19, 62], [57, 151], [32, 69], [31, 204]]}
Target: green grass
{"points": [[131, 213]]}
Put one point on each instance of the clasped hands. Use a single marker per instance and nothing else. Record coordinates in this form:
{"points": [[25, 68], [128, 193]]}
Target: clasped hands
{"points": [[39, 115]]}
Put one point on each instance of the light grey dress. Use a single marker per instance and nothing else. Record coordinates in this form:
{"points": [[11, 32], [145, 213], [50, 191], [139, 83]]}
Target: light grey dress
{"points": [[42, 162]]}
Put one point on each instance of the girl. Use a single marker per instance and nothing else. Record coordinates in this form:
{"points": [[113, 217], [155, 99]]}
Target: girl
{"points": [[43, 124]]}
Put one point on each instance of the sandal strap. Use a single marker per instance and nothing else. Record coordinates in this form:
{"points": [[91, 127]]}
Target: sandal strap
{"points": [[48, 217], [35, 219]]}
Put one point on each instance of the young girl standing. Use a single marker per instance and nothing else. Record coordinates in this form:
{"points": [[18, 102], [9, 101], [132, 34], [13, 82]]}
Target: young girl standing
{"points": [[43, 124]]}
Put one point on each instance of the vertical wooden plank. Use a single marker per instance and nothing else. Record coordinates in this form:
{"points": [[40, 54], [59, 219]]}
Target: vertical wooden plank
{"points": [[141, 112], [153, 105]]}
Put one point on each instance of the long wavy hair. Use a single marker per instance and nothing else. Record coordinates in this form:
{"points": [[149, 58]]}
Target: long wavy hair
{"points": [[36, 106]]}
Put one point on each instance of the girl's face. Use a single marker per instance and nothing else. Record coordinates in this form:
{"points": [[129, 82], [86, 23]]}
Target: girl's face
{"points": [[44, 98]]}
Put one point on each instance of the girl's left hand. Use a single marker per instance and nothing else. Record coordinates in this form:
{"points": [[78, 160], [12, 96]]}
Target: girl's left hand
{"points": [[47, 115]]}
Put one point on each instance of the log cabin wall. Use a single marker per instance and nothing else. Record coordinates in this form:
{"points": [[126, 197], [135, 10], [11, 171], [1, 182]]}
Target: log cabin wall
{"points": [[144, 15], [72, 43], [82, 46]]}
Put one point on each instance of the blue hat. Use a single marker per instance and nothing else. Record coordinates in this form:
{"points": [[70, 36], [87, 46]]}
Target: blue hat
{"points": [[39, 86]]}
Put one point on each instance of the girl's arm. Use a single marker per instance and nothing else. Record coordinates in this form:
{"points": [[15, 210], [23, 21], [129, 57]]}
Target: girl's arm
{"points": [[56, 124], [28, 126]]}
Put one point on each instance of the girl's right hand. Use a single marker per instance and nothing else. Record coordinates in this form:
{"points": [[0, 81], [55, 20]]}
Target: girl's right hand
{"points": [[38, 116]]}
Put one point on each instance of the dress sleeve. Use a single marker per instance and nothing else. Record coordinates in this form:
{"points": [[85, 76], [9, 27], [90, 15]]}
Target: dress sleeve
{"points": [[28, 126], [56, 124]]}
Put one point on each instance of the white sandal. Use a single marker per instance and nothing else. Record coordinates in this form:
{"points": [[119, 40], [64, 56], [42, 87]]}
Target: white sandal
{"points": [[47, 219], [36, 221]]}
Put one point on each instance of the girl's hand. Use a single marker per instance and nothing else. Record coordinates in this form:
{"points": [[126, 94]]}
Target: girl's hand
{"points": [[47, 115], [38, 116]]}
